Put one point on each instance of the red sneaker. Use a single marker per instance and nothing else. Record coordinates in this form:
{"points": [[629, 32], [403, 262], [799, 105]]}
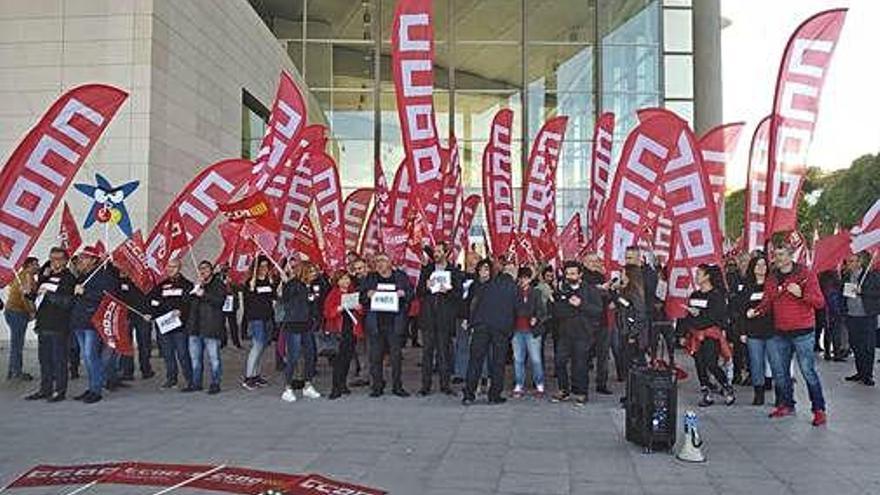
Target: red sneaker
{"points": [[819, 418], [781, 412]]}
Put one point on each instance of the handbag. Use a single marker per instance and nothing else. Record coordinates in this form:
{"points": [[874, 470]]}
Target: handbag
{"points": [[327, 344]]}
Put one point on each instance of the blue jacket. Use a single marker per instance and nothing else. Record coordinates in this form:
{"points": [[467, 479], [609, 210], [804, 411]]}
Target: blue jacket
{"points": [[494, 303], [85, 305]]}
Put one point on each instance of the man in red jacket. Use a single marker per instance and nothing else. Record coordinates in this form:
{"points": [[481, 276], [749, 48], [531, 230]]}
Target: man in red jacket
{"points": [[792, 294]]}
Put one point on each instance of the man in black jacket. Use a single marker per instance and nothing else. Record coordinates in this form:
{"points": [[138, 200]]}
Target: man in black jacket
{"points": [[386, 329], [600, 337], [578, 311], [173, 295], [54, 299], [862, 294], [141, 329], [492, 315], [206, 323], [440, 291]]}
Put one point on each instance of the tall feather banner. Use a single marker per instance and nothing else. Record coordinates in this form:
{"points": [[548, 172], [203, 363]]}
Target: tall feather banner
{"points": [[498, 183]]}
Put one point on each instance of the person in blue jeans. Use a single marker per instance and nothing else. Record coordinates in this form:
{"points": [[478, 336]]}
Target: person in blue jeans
{"points": [[173, 295], [259, 295], [95, 280], [526, 340], [18, 311], [297, 322], [206, 324], [756, 331]]}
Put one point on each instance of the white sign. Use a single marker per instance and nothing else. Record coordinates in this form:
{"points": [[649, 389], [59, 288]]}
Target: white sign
{"points": [[168, 322], [229, 304], [440, 280], [385, 302], [351, 301], [850, 290], [698, 303], [662, 290], [757, 296]]}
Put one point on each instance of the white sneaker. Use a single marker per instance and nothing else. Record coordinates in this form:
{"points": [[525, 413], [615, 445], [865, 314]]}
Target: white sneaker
{"points": [[310, 392], [540, 389], [518, 389], [288, 395]]}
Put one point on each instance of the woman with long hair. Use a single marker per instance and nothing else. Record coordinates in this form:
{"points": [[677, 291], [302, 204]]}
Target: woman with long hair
{"points": [[632, 317], [705, 326], [345, 323], [259, 293], [297, 321], [757, 331]]}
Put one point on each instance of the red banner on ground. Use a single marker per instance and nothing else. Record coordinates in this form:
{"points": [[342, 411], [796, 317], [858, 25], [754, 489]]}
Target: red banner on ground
{"points": [[111, 322], [52, 475], [498, 183], [197, 205], [799, 84], [600, 170], [285, 123], [412, 59], [40, 170]]}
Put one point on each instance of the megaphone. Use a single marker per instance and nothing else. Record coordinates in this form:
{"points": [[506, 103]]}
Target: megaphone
{"points": [[690, 449]]}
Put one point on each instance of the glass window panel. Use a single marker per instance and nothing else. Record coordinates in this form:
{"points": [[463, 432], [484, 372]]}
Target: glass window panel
{"points": [[441, 68], [473, 120], [355, 158], [471, 18], [350, 20], [624, 106], [684, 108], [677, 34], [561, 83], [565, 67], [628, 21], [440, 22], [338, 65], [574, 163], [391, 146], [488, 67], [349, 113], [253, 125], [567, 21], [678, 76], [569, 200], [677, 3], [295, 52]]}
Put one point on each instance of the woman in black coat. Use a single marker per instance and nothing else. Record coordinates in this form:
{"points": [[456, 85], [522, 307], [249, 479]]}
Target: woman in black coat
{"points": [[207, 323]]}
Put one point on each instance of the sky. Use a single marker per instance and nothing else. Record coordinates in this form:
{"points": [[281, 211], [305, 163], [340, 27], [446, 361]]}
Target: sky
{"points": [[752, 45]]}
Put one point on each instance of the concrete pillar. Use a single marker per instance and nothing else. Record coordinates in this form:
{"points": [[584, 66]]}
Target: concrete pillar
{"points": [[707, 64]]}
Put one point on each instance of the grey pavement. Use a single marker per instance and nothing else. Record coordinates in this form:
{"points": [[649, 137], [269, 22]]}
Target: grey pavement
{"points": [[435, 446]]}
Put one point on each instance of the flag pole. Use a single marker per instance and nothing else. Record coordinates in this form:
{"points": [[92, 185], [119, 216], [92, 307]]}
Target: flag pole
{"points": [[271, 260], [95, 271], [867, 269], [142, 315]]}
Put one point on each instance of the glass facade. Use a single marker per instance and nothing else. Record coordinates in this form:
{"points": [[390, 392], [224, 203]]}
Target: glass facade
{"points": [[540, 58]]}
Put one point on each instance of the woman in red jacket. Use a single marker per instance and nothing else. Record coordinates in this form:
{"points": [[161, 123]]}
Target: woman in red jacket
{"points": [[342, 316]]}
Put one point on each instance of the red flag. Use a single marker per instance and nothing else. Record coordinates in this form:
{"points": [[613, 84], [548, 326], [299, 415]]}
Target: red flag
{"points": [[718, 146], [306, 244], [265, 239], [497, 183], [313, 138], [354, 211], [399, 199], [230, 233], [327, 191], [450, 195], [372, 242], [572, 238], [111, 321], [600, 170], [295, 204], [798, 245], [412, 58], [239, 252], [539, 185], [866, 235], [830, 251], [196, 206], [40, 170], [754, 234], [285, 123], [254, 207], [799, 86], [68, 233], [131, 257], [463, 226]]}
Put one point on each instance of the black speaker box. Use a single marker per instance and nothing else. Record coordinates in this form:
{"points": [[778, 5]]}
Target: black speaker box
{"points": [[651, 408]]}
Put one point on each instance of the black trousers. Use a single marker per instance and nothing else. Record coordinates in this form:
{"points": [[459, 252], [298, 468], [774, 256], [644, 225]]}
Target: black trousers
{"points": [[601, 342], [232, 330], [573, 347], [436, 334], [385, 339], [53, 351], [706, 360], [342, 360], [863, 340], [482, 340], [143, 336], [740, 357]]}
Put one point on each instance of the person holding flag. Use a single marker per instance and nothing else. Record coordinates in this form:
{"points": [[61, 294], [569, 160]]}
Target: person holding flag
{"points": [[169, 307], [95, 279], [206, 323], [134, 297], [259, 295], [55, 298]]}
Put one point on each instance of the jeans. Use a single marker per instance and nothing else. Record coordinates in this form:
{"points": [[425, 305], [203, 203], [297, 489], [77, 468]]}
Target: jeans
{"points": [[260, 332], [782, 348], [197, 347], [90, 350], [758, 351], [863, 339], [17, 322], [175, 349], [296, 343], [53, 350], [525, 343]]}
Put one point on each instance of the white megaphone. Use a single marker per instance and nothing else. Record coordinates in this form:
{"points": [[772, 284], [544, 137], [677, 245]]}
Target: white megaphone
{"points": [[690, 449]]}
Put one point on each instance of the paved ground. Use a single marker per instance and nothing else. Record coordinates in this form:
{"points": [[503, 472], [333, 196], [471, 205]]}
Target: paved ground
{"points": [[435, 446]]}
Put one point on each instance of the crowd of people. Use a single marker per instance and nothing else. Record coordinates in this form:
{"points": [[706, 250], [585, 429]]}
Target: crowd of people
{"points": [[745, 324]]}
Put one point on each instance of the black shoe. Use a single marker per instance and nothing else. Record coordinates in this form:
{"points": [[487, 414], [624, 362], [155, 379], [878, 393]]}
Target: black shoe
{"points": [[375, 393], [759, 397], [214, 389], [169, 384], [25, 377], [82, 395], [868, 382], [56, 397], [126, 378], [456, 380], [345, 391], [400, 392], [497, 400], [74, 374], [854, 378], [190, 388], [604, 391], [768, 384], [359, 382], [447, 391], [334, 395], [148, 375], [36, 396], [92, 398], [424, 392], [827, 357], [838, 359]]}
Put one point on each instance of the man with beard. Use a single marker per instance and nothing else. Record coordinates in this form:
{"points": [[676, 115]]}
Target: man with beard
{"points": [[440, 291], [492, 316], [599, 337], [173, 295], [357, 269]]}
